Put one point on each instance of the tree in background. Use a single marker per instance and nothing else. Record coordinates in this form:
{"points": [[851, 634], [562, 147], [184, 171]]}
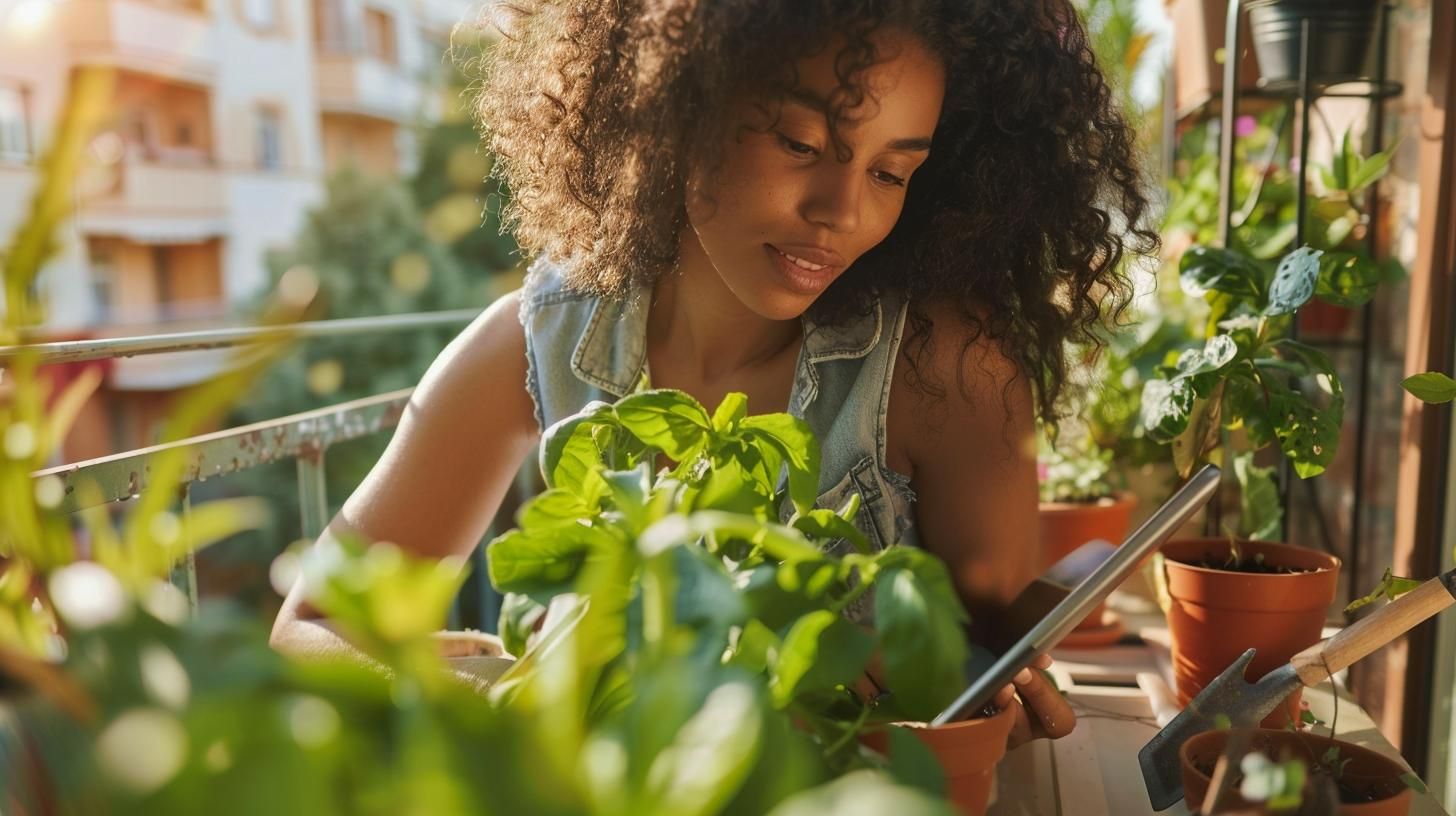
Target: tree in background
{"points": [[369, 251]]}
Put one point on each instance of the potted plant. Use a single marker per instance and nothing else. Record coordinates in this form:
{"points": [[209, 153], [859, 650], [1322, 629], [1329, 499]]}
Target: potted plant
{"points": [[1341, 33], [622, 555], [1288, 771], [1079, 505], [1252, 387]]}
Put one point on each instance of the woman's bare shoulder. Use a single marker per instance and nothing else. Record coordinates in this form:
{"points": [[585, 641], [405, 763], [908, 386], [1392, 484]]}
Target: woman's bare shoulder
{"points": [[955, 383]]}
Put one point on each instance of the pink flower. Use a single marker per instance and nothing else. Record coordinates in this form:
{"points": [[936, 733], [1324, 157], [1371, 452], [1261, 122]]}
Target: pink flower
{"points": [[1245, 126], [1042, 471]]}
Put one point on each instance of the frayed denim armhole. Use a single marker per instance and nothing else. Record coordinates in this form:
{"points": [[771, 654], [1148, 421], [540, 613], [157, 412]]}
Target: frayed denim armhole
{"points": [[540, 276]]}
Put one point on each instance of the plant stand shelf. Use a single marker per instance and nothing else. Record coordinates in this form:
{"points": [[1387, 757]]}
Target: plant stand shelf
{"points": [[1119, 694]]}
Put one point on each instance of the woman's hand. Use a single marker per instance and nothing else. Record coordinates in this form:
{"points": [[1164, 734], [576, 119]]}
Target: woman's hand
{"points": [[1041, 710]]}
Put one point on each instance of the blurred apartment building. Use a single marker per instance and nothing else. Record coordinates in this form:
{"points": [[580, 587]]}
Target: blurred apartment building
{"points": [[227, 117]]}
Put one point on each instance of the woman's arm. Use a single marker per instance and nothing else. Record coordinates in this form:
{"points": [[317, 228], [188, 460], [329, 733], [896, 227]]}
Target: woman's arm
{"points": [[972, 460], [463, 436]]}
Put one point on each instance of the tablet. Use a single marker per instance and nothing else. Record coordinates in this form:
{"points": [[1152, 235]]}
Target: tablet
{"points": [[1064, 617]]}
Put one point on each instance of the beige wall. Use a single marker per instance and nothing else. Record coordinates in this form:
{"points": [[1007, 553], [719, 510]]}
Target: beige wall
{"points": [[362, 141]]}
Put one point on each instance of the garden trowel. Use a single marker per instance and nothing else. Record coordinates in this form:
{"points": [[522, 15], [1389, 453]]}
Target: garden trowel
{"points": [[1246, 704]]}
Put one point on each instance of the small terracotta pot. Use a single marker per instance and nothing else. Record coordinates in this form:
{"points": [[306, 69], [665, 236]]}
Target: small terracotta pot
{"points": [[1367, 771], [968, 751], [1215, 614], [1065, 526]]}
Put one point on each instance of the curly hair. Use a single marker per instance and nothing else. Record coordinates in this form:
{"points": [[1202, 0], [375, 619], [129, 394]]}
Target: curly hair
{"points": [[1021, 217]]}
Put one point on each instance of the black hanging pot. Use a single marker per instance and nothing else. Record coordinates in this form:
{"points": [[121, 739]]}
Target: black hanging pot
{"points": [[1342, 36]]}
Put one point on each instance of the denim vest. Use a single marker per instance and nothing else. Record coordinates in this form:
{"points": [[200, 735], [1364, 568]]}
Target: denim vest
{"points": [[581, 348]]}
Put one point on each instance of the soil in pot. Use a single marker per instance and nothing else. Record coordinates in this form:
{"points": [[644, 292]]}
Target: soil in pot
{"points": [[968, 752], [1275, 602], [1065, 526], [1369, 783]]}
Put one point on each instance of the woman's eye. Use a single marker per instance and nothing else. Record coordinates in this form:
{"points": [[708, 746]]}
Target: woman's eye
{"points": [[889, 178], [797, 148]]}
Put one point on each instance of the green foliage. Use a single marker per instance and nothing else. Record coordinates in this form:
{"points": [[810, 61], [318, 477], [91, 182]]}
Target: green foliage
{"points": [[1248, 375], [119, 700], [1390, 587], [1432, 386], [1074, 472], [610, 528]]}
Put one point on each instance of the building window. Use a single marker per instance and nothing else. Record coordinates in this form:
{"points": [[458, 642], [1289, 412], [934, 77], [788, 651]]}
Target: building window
{"points": [[270, 139], [261, 14], [379, 37], [103, 276], [14, 123], [330, 31]]}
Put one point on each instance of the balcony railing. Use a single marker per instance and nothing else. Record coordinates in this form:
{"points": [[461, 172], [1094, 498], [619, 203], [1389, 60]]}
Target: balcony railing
{"points": [[304, 438], [162, 39]]}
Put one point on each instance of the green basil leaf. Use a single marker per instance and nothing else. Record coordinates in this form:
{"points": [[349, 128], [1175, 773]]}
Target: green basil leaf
{"points": [[730, 412], [710, 756], [668, 420], [779, 594], [821, 652], [796, 443], [519, 615], [755, 648], [523, 560], [829, 526], [569, 450], [920, 623]]}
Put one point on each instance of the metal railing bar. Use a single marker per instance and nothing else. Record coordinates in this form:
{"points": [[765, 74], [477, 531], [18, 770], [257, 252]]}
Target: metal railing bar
{"points": [[298, 436], [75, 351]]}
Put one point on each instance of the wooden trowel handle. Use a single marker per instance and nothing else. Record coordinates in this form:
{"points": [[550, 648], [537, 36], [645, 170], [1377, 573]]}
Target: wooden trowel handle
{"points": [[1315, 664]]}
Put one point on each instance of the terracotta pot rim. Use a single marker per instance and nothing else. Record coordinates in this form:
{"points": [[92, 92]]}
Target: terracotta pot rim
{"points": [[1346, 748], [1119, 499], [1333, 562], [910, 725]]}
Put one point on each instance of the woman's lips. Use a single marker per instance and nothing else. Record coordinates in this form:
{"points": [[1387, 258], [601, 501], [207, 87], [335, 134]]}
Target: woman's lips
{"points": [[800, 274]]}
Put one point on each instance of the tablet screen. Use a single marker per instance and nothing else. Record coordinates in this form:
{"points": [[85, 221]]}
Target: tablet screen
{"points": [[1093, 589]]}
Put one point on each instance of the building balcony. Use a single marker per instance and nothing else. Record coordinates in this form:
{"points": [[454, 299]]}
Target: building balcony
{"points": [[176, 40], [355, 83], [146, 198]]}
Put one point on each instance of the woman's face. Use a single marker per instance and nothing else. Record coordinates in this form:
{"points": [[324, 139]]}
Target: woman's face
{"points": [[781, 216]]}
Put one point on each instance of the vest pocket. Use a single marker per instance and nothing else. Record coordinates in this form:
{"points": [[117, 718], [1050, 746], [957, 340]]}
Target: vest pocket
{"points": [[860, 479]]}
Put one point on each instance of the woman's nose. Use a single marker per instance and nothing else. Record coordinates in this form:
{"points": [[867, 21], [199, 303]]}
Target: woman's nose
{"points": [[833, 199]]}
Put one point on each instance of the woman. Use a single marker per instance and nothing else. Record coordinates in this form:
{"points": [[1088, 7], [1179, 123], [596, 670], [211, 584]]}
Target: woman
{"points": [[885, 217]]}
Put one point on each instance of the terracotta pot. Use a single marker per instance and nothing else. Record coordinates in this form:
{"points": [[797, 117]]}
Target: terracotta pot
{"points": [[968, 752], [1065, 526], [1215, 615], [1367, 771], [1320, 319]]}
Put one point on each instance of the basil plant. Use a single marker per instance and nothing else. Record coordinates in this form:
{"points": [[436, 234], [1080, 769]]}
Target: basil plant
{"points": [[661, 531]]}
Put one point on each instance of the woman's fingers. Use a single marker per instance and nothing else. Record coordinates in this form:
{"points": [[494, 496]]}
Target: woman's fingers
{"points": [[1048, 708], [1021, 728]]}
